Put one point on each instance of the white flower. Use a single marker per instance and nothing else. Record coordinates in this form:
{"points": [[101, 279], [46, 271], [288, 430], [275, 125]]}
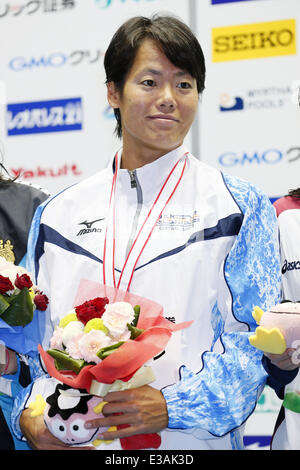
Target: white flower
{"points": [[116, 317], [56, 340], [4, 263], [73, 329], [90, 343], [73, 348], [10, 270]]}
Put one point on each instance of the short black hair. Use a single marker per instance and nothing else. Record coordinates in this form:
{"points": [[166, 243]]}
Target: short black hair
{"points": [[294, 193], [175, 38]]}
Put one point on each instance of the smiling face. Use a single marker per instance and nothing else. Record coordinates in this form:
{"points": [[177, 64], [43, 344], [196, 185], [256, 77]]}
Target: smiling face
{"points": [[66, 414], [158, 104]]}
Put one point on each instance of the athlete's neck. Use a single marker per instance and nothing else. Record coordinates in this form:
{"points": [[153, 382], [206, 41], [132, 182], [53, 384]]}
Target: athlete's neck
{"points": [[132, 159]]}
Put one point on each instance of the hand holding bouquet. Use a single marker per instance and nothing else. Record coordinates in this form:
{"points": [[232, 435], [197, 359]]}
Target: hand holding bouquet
{"points": [[104, 344]]}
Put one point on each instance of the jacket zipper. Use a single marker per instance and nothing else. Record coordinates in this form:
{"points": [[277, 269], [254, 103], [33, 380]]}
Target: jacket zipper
{"points": [[132, 174], [134, 183]]}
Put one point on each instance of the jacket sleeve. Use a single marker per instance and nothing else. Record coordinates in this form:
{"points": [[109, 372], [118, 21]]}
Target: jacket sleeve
{"points": [[278, 378], [38, 329], [222, 395]]}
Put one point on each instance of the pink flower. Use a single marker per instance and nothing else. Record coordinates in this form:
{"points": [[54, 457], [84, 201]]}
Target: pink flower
{"points": [[73, 348], [90, 343], [116, 317], [56, 340]]}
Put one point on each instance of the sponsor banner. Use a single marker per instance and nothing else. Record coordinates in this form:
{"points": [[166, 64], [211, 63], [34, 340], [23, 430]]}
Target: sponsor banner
{"points": [[36, 71], [253, 41], [107, 3], [55, 60], [257, 99], [270, 156], [274, 168], [44, 116], [40, 171], [2, 116], [21, 9], [257, 442], [217, 2]]}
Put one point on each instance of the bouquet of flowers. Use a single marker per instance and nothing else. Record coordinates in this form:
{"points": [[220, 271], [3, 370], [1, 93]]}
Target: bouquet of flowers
{"points": [[104, 343], [91, 332], [19, 300], [19, 297]]}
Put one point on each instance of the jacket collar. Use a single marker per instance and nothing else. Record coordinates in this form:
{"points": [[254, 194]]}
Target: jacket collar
{"points": [[152, 175]]}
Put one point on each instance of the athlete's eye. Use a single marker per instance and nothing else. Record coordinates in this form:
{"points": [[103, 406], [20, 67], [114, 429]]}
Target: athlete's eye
{"points": [[149, 82], [184, 85]]}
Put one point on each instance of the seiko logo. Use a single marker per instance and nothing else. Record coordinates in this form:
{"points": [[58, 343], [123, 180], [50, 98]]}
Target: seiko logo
{"points": [[290, 266], [252, 41], [89, 227]]}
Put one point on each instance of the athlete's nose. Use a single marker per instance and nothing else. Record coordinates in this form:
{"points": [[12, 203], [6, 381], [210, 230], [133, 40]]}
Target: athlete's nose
{"points": [[166, 102]]}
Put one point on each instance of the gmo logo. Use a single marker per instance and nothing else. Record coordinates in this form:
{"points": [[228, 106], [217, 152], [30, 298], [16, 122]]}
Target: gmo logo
{"points": [[271, 156], [56, 60]]}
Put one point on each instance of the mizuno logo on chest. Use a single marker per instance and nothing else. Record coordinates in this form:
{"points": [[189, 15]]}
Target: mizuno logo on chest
{"points": [[89, 227]]}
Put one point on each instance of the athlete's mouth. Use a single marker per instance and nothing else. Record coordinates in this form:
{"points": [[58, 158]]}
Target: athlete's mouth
{"points": [[163, 117]]}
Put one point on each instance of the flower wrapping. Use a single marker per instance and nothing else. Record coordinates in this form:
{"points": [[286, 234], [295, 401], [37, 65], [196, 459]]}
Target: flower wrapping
{"points": [[130, 356], [125, 367]]}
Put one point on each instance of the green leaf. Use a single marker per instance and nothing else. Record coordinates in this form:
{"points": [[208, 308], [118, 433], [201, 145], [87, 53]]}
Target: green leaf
{"points": [[137, 310], [292, 401], [4, 304], [104, 352], [134, 332], [64, 362], [20, 310]]}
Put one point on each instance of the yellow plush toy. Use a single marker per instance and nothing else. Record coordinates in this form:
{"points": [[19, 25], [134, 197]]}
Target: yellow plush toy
{"points": [[279, 328]]}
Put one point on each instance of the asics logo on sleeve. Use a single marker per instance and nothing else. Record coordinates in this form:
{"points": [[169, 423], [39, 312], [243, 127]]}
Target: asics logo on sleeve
{"points": [[290, 266]]}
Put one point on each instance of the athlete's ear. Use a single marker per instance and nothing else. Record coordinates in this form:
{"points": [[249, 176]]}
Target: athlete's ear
{"points": [[113, 95]]}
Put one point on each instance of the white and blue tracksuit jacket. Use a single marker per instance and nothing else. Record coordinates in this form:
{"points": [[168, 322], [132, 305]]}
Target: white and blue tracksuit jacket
{"points": [[212, 257]]}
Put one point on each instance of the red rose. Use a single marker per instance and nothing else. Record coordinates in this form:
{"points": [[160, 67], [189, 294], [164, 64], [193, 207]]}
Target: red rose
{"points": [[41, 301], [23, 281], [5, 285], [91, 309]]}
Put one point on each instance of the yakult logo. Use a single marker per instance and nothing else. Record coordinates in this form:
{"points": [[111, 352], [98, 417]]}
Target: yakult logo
{"points": [[44, 116]]}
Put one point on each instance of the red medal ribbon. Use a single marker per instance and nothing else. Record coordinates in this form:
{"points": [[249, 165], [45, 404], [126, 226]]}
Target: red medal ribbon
{"points": [[164, 196]]}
